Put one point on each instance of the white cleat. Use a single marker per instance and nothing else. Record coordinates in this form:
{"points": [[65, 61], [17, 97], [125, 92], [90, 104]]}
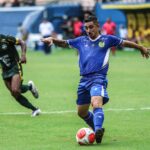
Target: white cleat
{"points": [[34, 90], [36, 112]]}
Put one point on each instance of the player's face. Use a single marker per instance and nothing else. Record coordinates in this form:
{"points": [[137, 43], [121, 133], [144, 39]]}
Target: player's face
{"points": [[92, 29]]}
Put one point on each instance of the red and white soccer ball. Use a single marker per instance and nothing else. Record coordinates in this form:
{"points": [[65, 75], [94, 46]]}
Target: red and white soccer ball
{"points": [[85, 136]]}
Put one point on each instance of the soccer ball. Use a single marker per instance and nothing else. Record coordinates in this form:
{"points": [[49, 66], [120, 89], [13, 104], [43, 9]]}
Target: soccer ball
{"points": [[85, 136]]}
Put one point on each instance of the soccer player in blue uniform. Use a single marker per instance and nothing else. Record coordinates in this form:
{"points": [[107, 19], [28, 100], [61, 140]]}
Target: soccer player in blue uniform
{"points": [[93, 52]]}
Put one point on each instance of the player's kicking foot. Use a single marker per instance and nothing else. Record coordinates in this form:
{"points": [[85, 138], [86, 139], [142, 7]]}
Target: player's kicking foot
{"points": [[99, 135], [36, 112], [33, 90]]}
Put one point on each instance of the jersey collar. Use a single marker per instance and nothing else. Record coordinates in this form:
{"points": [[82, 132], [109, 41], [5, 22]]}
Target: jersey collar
{"points": [[94, 39]]}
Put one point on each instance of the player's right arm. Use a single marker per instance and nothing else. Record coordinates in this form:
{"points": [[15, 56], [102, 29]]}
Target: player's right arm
{"points": [[57, 42], [23, 50]]}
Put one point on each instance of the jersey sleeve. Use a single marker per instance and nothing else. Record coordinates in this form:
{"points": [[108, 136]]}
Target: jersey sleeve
{"points": [[74, 43], [12, 40], [114, 41]]}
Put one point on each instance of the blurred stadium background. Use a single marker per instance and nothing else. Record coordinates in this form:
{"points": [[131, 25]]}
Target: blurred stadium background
{"points": [[134, 15]]}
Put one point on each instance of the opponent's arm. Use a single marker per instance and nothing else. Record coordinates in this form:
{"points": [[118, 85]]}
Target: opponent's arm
{"points": [[145, 52], [57, 42], [23, 50]]}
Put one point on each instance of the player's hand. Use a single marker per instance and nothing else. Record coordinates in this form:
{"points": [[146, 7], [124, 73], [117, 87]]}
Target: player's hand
{"points": [[23, 59], [48, 40], [145, 52]]}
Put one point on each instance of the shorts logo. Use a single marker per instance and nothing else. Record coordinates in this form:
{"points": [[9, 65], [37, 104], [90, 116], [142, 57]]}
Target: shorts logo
{"points": [[95, 89], [101, 44]]}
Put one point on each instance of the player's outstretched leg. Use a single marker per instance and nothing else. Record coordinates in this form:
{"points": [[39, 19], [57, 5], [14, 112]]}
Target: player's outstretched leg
{"points": [[36, 112], [24, 102], [33, 89]]}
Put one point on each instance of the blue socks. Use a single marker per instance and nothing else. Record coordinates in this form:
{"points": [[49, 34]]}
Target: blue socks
{"points": [[95, 120], [89, 120], [98, 118]]}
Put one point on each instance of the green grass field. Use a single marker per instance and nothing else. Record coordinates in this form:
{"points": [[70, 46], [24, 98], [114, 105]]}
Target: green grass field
{"points": [[127, 115]]}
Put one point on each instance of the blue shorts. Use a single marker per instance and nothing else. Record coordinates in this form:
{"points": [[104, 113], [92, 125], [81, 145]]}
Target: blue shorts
{"points": [[93, 85]]}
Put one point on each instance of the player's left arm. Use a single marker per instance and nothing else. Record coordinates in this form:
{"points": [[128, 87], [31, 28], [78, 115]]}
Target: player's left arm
{"points": [[145, 52], [23, 49]]}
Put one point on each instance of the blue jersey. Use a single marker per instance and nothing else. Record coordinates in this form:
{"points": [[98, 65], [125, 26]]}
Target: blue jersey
{"points": [[94, 54]]}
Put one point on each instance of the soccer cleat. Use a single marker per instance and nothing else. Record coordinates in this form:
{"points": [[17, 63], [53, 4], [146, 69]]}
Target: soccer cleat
{"points": [[33, 90], [99, 135], [36, 112]]}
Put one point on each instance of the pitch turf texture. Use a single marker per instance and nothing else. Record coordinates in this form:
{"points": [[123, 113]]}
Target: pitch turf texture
{"points": [[127, 115]]}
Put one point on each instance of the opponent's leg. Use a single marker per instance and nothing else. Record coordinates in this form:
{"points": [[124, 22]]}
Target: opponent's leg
{"points": [[30, 87], [16, 93], [33, 89], [24, 88]]}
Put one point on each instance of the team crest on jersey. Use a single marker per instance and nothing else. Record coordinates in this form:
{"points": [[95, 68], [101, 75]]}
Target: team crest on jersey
{"points": [[4, 46], [3, 40], [101, 44]]}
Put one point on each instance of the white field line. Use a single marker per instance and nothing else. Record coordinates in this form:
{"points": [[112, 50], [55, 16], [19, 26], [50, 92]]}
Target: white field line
{"points": [[74, 111]]}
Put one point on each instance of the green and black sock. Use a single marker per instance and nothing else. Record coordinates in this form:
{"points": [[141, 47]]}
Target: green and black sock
{"points": [[25, 88], [24, 102]]}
